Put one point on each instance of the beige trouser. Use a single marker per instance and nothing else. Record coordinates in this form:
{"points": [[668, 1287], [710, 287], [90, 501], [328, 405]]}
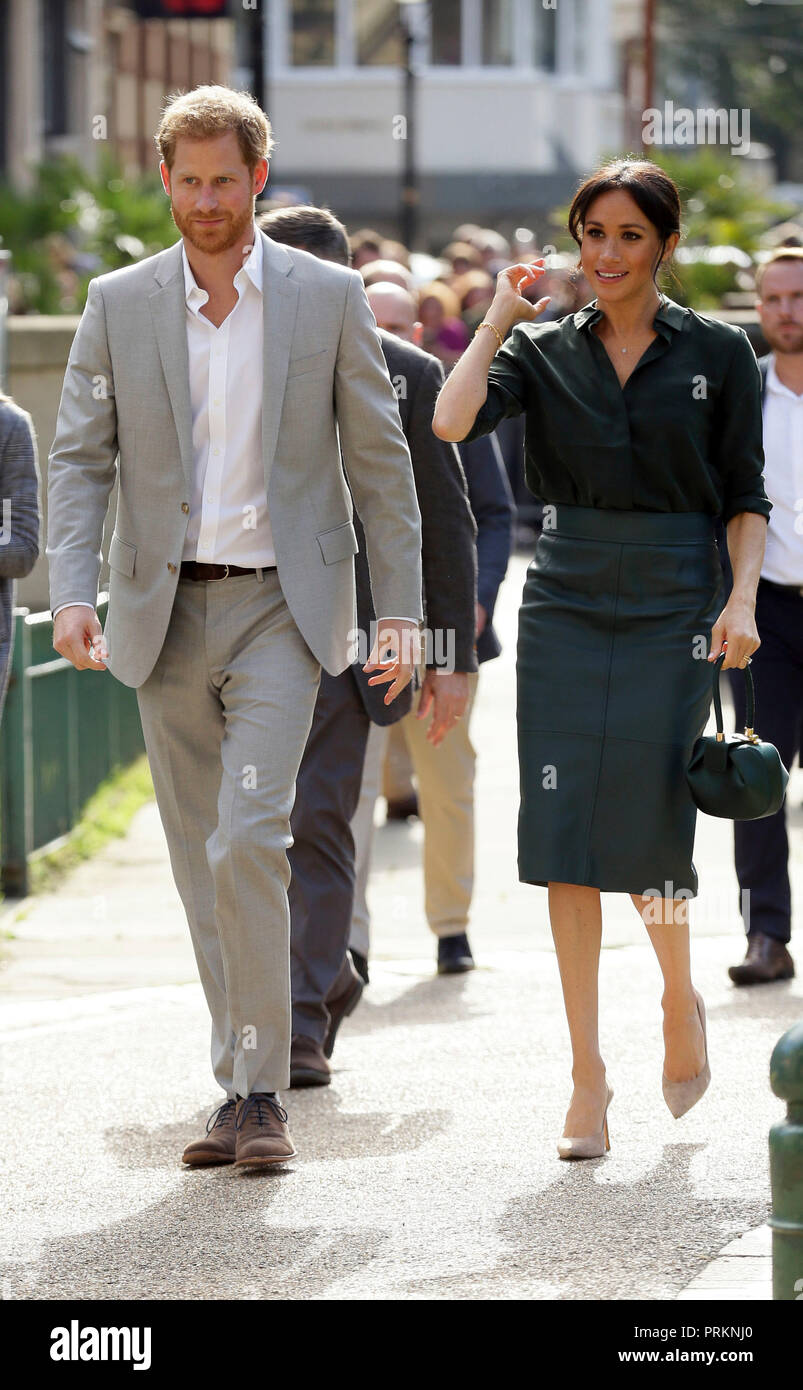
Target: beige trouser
{"points": [[445, 778], [226, 712]]}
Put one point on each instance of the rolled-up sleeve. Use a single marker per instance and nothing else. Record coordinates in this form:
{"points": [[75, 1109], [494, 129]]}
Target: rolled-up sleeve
{"points": [[738, 451], [506, 388]]}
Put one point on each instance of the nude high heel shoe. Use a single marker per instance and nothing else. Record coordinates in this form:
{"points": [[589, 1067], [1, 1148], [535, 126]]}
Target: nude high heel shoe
{"points": [[591, 1146], [680, 1096]]}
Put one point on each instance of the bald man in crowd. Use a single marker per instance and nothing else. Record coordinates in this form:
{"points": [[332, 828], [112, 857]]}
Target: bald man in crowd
{"points": [[387, 273]]}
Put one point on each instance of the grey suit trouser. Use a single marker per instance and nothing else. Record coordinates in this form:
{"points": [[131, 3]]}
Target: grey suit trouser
{"points": [[226, 712]]}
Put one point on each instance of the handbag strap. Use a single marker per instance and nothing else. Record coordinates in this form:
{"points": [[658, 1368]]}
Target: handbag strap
{"points": [[751, 700]]}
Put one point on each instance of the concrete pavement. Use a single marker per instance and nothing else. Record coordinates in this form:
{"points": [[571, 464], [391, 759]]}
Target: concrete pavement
{"points": [[428, 1169]]}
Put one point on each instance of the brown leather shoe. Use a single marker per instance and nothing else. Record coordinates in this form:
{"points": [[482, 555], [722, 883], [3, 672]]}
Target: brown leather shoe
{"points": [[262, 1134], [343, 1003], [218, 1146], [767, 959], [308, 1066]]}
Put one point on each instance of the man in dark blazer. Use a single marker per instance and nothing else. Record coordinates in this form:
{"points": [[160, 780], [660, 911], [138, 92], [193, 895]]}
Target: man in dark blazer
{"points": [[445, 776], [762, 846], [492, 504], [325, 986]]}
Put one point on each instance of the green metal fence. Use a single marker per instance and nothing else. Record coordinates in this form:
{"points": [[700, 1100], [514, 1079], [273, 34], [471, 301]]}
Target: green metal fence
{"points": [[63, 732]]}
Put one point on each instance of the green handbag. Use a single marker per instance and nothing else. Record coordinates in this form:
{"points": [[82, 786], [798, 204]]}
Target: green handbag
{"points": [[740, 777]]}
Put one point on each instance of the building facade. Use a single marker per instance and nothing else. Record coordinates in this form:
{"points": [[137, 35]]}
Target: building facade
{"points": [[514, 100], [81, 76]]}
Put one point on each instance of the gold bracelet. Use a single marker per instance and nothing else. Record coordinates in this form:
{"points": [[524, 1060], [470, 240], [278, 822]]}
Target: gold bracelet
{"points": [[493, 328]]}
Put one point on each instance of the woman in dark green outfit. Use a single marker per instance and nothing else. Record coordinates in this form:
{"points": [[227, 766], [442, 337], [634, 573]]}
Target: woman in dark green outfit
{"points": [[643, 424]]}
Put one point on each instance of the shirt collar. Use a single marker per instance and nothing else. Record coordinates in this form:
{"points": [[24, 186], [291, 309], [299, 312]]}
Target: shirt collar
{"points": [[775, 384], [667, 312], [251, 267]]}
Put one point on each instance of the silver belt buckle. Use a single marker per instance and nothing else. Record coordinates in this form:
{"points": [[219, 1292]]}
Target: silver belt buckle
{"points": [[226, 575]]}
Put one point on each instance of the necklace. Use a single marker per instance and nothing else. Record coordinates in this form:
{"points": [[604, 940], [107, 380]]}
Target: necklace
{"points": [[660, 306]]}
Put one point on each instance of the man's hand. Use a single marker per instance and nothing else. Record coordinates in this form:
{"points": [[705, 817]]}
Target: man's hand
{"points": [[395, 655], [75, 630], [447, 695]]}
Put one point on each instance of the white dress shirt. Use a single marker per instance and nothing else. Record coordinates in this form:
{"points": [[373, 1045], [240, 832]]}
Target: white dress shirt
{"points": [[783, 480], [228, 508]]}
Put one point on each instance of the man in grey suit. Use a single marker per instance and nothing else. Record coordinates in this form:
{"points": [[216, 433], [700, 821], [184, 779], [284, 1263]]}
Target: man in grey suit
{"points": [[222, 374]]}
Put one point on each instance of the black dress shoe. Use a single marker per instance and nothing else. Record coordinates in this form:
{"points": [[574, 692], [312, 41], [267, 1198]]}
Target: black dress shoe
{"points": [[767, 959], [341, 1004], [404, 808], [454, 955], [360, 963]]}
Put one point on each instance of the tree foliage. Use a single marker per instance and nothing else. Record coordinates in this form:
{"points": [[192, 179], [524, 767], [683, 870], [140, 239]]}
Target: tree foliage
{"points": [[741, 55], [72, 224]]}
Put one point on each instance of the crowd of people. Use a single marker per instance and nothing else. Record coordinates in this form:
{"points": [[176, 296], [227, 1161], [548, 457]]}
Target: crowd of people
{"points": [[310, 382], [449, 308]]}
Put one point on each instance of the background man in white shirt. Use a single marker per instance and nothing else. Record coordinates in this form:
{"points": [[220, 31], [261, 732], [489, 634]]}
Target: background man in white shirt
{"points": [[761, 846], [224, 372]]}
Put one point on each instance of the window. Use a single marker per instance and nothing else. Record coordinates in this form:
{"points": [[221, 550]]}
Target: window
{"points": [[55, 60], [378, 33], [544, 37], [446, 15], [497, 33], [581, 20], [312, 33]]}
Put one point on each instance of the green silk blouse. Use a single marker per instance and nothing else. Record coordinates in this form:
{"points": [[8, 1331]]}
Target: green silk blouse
{"points": [[682, 435]]}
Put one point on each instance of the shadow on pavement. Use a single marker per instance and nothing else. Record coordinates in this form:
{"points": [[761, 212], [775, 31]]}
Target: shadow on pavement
{"points": [[210, 1239], [320, 1130], [439, 1000], [592, 1239]]}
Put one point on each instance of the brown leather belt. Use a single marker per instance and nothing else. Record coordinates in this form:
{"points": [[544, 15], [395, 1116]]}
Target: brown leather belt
{"points": [[196, 569]]}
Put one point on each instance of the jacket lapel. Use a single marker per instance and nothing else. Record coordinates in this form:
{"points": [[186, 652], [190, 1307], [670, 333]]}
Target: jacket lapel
{"points": [[279, 308], [168, 307]]}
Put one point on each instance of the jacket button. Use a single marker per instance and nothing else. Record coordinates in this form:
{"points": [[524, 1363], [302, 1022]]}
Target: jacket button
{"points": [[185, 506], [171, 567]]}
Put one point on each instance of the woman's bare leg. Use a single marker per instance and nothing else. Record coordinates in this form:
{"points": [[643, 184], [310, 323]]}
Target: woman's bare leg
{"points": [[667, 923], [576, 918]]}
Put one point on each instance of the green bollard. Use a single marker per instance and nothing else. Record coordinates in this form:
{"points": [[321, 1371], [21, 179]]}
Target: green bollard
{"points": [[786, 1167]]}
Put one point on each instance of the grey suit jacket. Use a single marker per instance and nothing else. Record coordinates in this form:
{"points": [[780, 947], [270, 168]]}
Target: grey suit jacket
{"points": [[126, 404], [20, 521]]}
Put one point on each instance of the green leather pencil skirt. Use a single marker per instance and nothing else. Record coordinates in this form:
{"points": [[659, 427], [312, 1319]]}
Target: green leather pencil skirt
{"points": [[613, 689]]}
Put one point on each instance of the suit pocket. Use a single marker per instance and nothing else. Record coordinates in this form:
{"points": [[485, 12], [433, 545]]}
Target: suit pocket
{"points": [[122, 556], [338, 544], [319, 361]]}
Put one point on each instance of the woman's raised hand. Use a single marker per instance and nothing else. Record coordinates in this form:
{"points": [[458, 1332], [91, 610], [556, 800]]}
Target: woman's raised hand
{"points": [[511, 282]]}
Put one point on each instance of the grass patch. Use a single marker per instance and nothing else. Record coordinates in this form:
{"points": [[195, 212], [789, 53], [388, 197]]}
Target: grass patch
{"points": [[106, 816]]}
